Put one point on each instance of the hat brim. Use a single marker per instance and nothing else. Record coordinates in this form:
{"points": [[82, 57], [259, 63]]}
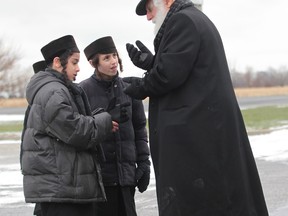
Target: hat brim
{"points": [[141, 8]]}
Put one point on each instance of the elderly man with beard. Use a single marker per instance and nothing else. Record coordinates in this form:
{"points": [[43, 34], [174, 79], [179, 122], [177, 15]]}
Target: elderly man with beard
{"points": [[201, 153]]}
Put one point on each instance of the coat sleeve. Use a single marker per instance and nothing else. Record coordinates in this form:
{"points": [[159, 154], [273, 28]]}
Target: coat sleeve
{"points": [[65, 123], [177, 54], [139, 124]]}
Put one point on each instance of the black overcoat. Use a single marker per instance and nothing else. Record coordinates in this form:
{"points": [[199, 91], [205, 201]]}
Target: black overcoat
{"points": [[199, 146]]}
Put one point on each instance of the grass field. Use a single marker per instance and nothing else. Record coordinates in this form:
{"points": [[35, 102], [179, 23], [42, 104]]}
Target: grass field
{"points": [[11, 127], [265, 118], [256, 120]]}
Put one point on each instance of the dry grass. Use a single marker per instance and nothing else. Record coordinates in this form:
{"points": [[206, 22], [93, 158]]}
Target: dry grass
{"points": [[240, 92], [15, 102], [248, 92]]}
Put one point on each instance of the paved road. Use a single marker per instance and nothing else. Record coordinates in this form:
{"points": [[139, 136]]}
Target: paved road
{"points": [[251, 102], [273, 175], [12, 110], [244, 103]]}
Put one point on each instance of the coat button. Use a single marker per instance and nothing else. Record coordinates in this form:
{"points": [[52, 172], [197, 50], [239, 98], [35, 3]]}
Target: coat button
{"points": [[114, 154], [198, 183]]}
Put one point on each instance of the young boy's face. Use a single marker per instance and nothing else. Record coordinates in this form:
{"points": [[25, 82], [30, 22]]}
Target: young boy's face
{"points": [[72, 67]]}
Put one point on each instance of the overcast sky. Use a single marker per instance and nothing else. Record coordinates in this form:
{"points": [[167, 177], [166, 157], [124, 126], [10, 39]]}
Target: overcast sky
{"points": [[254, 32]]}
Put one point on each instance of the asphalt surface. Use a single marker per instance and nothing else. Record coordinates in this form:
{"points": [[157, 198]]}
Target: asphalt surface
{"points": [[252, 102], [273, 176]]}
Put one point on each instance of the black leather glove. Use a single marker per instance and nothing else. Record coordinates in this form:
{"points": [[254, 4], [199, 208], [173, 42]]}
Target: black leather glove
{"points": [[135, 89], [141, 58], [118, 112], [142, 175]]}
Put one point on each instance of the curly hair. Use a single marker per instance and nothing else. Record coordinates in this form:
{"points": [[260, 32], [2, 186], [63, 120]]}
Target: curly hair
{"points": [[63, 61]]}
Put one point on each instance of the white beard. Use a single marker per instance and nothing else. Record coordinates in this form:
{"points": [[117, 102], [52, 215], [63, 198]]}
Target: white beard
{"points": [[160, 16]]}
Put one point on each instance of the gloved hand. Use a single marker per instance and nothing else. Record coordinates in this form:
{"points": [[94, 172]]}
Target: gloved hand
{"points": [[118, 112], [142, 175], [135, 89], [141, 58]]}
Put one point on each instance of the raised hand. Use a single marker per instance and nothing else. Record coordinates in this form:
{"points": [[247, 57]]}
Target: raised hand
{"points": [[142, 57]]}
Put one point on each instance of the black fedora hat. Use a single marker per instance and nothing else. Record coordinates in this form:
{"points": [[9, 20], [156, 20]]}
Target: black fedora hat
{"points": [[39, 66], [141, 8], [58, 47], [102, 45]]}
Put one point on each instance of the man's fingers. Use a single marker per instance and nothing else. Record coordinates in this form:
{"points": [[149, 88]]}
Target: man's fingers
{"points": [[142, 47], [132, 51], [129, 47]]}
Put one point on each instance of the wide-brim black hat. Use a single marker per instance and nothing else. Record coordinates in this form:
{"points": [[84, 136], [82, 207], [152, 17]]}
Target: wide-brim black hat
{"points": [[102, 45], [141, 8], [39, 66], [59, 46]]}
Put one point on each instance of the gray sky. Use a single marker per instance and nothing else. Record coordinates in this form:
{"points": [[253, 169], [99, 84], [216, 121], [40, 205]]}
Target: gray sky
{"points": [[254, 32]]}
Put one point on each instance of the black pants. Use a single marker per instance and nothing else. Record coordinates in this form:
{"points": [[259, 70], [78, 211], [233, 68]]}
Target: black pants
{"points": [[120, 202], [67, 209], [37, 210]]}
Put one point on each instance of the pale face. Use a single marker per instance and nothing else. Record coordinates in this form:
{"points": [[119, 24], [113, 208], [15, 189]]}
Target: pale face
{"points": [[151, 10], [157, 13], [108, 65], [72, 67]]}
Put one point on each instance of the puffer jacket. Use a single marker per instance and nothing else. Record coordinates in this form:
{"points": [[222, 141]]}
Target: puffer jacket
{"points": [[128, 147], [59, 144]]}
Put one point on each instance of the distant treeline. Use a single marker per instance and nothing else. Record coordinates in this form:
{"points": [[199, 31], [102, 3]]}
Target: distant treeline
{"points": [[14, 78], [269, 78]]}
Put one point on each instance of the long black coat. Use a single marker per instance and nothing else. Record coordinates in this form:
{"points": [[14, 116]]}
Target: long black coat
{"points": [[127, 147], [203, 161]]}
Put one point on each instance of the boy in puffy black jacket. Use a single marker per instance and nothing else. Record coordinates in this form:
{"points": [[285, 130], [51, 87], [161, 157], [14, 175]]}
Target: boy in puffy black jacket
{"points": [[126, 162]]}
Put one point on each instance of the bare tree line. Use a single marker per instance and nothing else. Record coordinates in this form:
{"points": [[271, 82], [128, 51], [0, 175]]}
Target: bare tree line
{"points": [[14, 78], [268, 78]]}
